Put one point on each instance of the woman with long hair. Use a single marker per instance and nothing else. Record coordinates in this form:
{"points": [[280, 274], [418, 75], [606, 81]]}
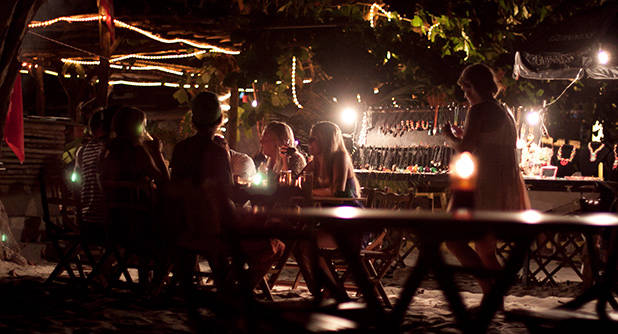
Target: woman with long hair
{"points": [[490, 135], [278, 146], [332, 165], [333, 176]]}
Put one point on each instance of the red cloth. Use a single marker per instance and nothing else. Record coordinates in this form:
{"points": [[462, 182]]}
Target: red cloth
{"points": [[14, 126]]}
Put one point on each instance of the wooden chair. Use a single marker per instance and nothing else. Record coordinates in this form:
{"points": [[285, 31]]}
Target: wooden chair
{"points": [[381, 252], [568, 317], [565, 251], [61, 219], [129, 214]]}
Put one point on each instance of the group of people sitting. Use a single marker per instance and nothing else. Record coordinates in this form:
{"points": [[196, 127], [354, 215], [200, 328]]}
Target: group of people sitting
{"points": [[122, 151]]}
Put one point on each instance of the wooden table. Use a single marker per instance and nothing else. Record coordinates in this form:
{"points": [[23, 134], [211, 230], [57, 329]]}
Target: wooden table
{"points": [[432, 229]]}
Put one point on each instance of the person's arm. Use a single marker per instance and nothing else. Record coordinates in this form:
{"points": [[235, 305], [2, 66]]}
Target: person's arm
{"points": [[472, 131], [150, 167], [154, 148]]}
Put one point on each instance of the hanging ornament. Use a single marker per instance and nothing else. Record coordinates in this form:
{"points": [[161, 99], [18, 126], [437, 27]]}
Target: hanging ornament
{"points": [[564, 162], [593, 153]]}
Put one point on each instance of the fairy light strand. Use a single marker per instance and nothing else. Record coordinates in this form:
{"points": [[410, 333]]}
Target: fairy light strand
{"points": [[121, 24], [134, 55], [147, 68], [294, 97]]}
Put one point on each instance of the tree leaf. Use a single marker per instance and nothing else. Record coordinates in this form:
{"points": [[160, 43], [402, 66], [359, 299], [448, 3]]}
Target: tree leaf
{"points": [[181, 96], [417, 21]]}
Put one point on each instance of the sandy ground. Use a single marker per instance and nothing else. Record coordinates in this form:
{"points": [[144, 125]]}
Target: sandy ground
{"points": [[30, 307]]}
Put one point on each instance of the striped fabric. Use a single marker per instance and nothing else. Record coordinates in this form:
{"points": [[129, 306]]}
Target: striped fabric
{"points": [[92, 198]]}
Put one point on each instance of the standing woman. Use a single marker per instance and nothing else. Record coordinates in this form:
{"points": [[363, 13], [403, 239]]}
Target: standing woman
{"points": [[332, 164], [278, 146], [490, 135]]}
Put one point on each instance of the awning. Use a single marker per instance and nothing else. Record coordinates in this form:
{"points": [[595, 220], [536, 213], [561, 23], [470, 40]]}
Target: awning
{"points": [[559, 52]]}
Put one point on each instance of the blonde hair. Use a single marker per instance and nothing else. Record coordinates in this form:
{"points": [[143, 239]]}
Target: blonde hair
{"points": [[284, 135], [330, 140], [282, 131]]}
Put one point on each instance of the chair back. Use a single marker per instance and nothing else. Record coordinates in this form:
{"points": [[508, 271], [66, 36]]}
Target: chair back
{"points": [[59, 203], [383, 200], [129, 210], [390, 239]]}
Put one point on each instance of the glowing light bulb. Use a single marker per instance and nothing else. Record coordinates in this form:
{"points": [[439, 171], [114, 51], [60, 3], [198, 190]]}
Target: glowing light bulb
{"points": [[465, 167], [533, 118], [603, 57], [348, 115], [259, 179], [74, 177], [254, 103]]}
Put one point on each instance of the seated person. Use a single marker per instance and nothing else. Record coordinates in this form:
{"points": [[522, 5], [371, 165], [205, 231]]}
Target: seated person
{"points": [[132, 168], [87, 166], [333, 176], [331, 165], [198, 160], [242, 165], [129, 157], [279, 147]]}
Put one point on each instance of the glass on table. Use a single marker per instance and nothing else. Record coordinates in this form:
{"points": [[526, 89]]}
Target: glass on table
{"points": [[285, 177]]}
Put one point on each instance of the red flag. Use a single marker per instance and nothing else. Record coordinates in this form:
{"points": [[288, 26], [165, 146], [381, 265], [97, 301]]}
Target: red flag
{"points": [[14, 126]]}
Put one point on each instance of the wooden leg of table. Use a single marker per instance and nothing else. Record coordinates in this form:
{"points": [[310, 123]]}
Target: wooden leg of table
{"points": [[446, 280], [409, 289]]}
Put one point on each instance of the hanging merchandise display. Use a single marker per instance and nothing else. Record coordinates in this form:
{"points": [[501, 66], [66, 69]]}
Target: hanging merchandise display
{"points": [[405, 139], [562, 160], [594, 152]]}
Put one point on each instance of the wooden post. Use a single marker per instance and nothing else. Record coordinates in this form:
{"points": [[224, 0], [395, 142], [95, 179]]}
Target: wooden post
{"points": [[40, 90], [105, 42], [232, 123]]}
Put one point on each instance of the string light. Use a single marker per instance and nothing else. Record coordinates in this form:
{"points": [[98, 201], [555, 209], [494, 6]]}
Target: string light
{"points": [[80, 62], [121, 24], [135, 83], [147, 68], [170, 84], [133, 55], [373, 13], [69, 19], [294, 97]]}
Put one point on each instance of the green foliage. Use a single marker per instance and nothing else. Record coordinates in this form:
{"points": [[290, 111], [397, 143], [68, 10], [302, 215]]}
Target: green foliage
{"points": [[418, 50]]}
